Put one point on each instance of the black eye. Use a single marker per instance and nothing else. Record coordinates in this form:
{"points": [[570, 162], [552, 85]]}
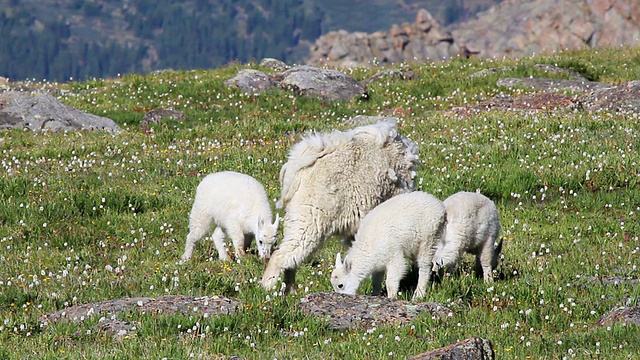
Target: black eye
{"points": [[260, 242], [340, 286]]}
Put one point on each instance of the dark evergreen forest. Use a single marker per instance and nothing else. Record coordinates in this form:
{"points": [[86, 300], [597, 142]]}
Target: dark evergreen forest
{"points": [[158, 34]]}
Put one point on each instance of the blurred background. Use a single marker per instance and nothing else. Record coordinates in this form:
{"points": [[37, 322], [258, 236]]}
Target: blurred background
{"points": [[62, 40]]}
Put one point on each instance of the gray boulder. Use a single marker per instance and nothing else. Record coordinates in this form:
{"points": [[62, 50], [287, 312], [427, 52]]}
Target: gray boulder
{"points": [[326, 84], [252, 81], [43, 112]]}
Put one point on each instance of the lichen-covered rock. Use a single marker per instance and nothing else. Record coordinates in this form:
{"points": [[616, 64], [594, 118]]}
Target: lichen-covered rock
{"points": [[622, 98], [623, 315], [326, 84], [43, 112], [470, 349], [348, 311]]}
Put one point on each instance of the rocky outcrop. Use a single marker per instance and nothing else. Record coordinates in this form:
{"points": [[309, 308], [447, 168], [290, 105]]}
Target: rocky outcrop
{"points": [[43, 112], [519, 28], [513, 28], [425, 39]]}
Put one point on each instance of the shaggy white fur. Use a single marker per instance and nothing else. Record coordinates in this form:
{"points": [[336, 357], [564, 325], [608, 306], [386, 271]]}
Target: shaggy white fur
{"points": [[238, 205], [330, 182], [404, 228], [472, 227]]}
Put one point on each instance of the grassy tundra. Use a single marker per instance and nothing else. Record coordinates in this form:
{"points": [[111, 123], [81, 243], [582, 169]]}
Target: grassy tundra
{"points": [[87, 217]]}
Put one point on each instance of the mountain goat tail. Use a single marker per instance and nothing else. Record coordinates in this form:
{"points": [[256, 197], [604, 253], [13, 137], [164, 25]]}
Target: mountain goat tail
{"points": [[496, 254]]}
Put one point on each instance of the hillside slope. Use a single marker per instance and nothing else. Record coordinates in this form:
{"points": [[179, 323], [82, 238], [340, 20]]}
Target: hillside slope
{"points": [[62, 39]]}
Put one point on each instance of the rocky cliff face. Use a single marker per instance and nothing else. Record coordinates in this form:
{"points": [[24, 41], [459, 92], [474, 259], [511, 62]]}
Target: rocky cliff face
{"points": [[513, 28]]}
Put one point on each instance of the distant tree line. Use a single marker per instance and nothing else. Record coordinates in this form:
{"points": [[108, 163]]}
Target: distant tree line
{"points": [[183, 34]]}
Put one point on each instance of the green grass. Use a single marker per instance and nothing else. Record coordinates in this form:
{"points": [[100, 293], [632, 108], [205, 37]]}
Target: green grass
{"points": [[87, 217]]}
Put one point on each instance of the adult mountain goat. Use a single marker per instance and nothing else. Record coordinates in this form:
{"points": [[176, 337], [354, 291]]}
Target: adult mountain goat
{"points": [[330, 182]]}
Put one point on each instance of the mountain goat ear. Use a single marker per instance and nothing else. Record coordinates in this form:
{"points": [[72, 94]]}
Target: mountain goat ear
{"points": [[338, 261], [260, 222], [347, 264], [276, 222]]}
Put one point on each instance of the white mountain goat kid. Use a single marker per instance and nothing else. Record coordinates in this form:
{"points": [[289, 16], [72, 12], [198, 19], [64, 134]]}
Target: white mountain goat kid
{"points": [[238, 205], [329, 182], [472, 227], [404, 228]]}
